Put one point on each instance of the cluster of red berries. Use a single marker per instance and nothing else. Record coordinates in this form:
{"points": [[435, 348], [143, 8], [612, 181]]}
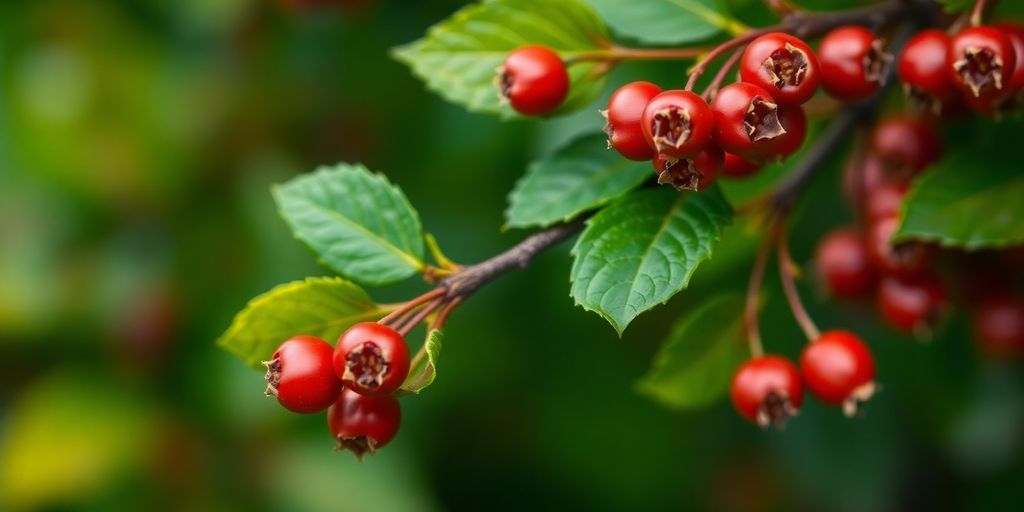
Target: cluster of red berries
{"points": [[837, 367], [353, 380], [980, 67]]}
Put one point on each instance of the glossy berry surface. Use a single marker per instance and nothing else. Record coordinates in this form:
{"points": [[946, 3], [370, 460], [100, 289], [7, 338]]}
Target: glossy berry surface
{"points": [[844, 265], [1015, 33], [903, 258], [998, 323], [782, 65], [853, 63], [746, 120], [735, 166], [623, 116], [981, 61], [371, 358], [533, 80], [914, 304], [767, 390], [695, 173], [839, 369], [922, 69], [794, 121], [906, 146], [678, 124], [301, 376], [362, 423]]}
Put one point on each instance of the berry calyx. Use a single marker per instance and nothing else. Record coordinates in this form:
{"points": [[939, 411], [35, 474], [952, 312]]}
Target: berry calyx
{"points": [[905, 145], [301, 376], [783, 65], [922, 69], [913, 304], [981, 61], [623, 116], [533, 79], [853, 63], [902, 258], [677, 123], [844, 264], [999, 325], [767, 390], [735, 166], [696, 173], [363, 424], [746, 120], [371, 358], [839, 369]]}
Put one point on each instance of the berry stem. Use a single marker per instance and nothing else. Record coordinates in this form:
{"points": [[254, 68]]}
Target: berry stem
{"points": [[978, 13], [787, 274], [436, 325], [752, 305], [411, 324], [719, 50], [716, 82], [409, 306]]}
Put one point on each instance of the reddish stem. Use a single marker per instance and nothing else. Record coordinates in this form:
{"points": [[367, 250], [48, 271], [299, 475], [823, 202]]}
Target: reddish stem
{"points": [[754, 291], [423, 313], [786, 274], [978, 13], [409, 306], [716, 82], [720, 50]]}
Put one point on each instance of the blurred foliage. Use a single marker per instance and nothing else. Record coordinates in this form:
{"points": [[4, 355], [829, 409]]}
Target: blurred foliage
{"points": [[138, 143]]}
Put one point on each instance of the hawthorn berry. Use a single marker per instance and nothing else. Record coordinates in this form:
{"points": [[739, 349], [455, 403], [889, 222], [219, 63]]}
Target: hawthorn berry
{"points": [[678, 123], [624, 113], [735, 166], [853, 63], [884, 201], [905, 145], [695, 173], [981, 62], [746, 120], [767, 390], [844, 264], [922, 69], [371, 358], [839, 369], [362, 423], [300, 375], [903, 258], [794, 120], [533, 80], [912, 304], [999, 325], [783, 65]]}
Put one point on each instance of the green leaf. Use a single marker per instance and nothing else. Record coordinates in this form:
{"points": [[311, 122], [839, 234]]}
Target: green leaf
{"points": [[581, 176], [423, 374], [322, 307], [357, 222], [695, 364], [971, 199], [665, 21], [459, 56], [641, 250]]}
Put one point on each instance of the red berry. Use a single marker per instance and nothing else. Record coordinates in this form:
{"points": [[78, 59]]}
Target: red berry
{"points": [[999, 325], [678, 123], [300, 375], [363, 423], [746, 120], [884, 202], [371, 358], [782, 65], [794, 121], [624, 114], [861, 177], [767, 390], [838, 369], [853, 63], [981, 62], [696, 173], [915, 305], [905, 145], [844, 264], [922, 68], [735, 166], [1015, 33], [905, 258], [534, 80]]}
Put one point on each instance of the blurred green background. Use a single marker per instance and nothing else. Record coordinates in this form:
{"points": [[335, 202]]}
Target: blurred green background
{"points": [[138, 141]]}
